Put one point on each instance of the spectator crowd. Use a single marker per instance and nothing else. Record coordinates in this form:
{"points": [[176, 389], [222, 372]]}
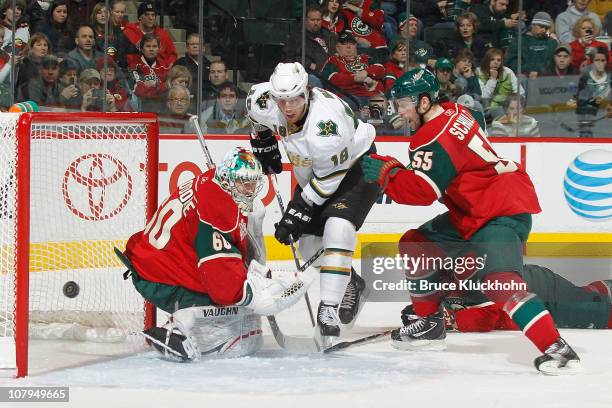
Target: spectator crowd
{"points": [[485, 54]]}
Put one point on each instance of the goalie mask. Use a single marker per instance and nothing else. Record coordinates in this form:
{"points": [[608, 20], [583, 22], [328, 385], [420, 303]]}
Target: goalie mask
{"points": [[240, 174]]}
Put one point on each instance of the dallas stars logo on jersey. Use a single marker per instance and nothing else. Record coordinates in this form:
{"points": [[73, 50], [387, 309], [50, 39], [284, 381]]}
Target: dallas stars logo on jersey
{"points": [[327, 128]]}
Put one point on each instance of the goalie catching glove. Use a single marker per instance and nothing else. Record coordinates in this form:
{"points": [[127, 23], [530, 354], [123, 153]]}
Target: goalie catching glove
{"points": [[265, 148], [268, 295], [377, 168], [297, 215]]}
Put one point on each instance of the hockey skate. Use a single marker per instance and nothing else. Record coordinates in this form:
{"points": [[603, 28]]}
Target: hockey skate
{"points": [[558, 359], [420, 333], [173, 345], [328, 325], [353, 300]]}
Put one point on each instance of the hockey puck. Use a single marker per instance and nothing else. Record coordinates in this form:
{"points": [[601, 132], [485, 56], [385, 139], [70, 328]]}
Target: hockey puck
{"points": [[71, 289]]}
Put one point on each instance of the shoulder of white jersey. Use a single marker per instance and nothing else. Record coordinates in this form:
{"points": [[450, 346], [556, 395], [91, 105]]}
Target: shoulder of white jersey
{"points": [[324, 106], [215, 205], [259, 103]]}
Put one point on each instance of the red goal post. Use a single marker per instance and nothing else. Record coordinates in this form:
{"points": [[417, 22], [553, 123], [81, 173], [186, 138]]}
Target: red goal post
{"points": [[72, 186]]}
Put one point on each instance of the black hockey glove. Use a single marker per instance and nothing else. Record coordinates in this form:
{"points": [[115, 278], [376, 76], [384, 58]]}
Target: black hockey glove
{"points": [[265, 148], [297, 215]]}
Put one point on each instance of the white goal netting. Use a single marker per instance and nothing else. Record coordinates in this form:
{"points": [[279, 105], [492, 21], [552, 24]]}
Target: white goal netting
{"points": [[88, 193]]}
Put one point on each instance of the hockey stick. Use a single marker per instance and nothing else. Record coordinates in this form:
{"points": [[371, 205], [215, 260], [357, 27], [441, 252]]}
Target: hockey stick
{"points": [[293, 251], [361, 341], [196, 124], [590, 122]]}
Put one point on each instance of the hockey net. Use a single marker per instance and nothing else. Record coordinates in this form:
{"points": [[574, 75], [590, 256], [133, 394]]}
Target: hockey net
{"points": [[72, 187]]}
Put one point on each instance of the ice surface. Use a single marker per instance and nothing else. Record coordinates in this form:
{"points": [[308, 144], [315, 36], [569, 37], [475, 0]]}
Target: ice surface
{"points": [[477, 370]]}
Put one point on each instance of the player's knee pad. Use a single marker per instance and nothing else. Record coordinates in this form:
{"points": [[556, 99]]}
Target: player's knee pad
{"points": [[227, 332], [339, 234], [308, 245], [423, 256]]}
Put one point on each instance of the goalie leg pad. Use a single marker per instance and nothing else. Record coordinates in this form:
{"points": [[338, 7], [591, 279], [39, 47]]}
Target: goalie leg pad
{"points": [[227, 332], [339, 240]]}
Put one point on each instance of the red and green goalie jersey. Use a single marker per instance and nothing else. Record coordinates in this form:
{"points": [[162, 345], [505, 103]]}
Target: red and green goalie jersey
{"points": [[196, 240], [451, 160]]}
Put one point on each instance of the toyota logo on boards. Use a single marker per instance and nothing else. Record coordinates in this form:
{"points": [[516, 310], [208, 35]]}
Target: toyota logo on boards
{"points": [[96, 186]]}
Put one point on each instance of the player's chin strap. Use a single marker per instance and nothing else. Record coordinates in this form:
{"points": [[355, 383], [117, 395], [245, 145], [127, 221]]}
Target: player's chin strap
{"points": [[422, 115]]}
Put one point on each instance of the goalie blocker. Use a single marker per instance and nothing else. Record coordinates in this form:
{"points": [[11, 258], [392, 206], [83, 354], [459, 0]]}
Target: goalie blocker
{"points": [[190, 262]]}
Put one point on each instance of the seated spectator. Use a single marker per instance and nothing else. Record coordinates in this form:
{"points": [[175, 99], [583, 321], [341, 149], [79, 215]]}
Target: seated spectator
{"points": [[22, 29], [423, 52], [475, 109], [320, 45], [190, 60], [56, 28], [562, 62], [38, 47], [70, 93], [449, 92], [353, 74], [465, 77], [377, 113], [5, 78], [90, 85], [117, 17], [565, 22], [365, 22], [396, 65], [537, 48], [217, 75], [225, 116], [495, 22], [593, 92], [496, 82], [146, 25], [514, 122], [84, 55], [116, 42], [149, 75], [180, 75], [585, 30], [115, 83], [466, 38], [176, 118], [332, 18], [45, 89]]}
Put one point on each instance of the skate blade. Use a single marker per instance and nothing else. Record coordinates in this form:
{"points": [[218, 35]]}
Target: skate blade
{"points": [[166, 352], [553, 367], [323, 342], [419, 345]]}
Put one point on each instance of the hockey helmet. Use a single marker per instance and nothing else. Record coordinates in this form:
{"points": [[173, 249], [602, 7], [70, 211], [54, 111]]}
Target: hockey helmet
{"points": [[416, 83], [241, 175], [288, 81]]}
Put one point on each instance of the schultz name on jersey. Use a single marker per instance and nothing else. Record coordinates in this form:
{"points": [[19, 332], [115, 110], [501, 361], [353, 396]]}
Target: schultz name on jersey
{"points": [[322, 146]]}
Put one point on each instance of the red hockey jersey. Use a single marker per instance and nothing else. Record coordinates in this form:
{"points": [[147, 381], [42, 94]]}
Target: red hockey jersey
{"points": [[341, 73], [196, 240], [392, 71], [167, 50], [369, 26], [142, 72], [451, 159]]}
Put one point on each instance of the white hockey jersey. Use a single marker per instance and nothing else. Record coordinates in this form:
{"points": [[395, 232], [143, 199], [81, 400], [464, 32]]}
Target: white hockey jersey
{"points": [[323, 146]]}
